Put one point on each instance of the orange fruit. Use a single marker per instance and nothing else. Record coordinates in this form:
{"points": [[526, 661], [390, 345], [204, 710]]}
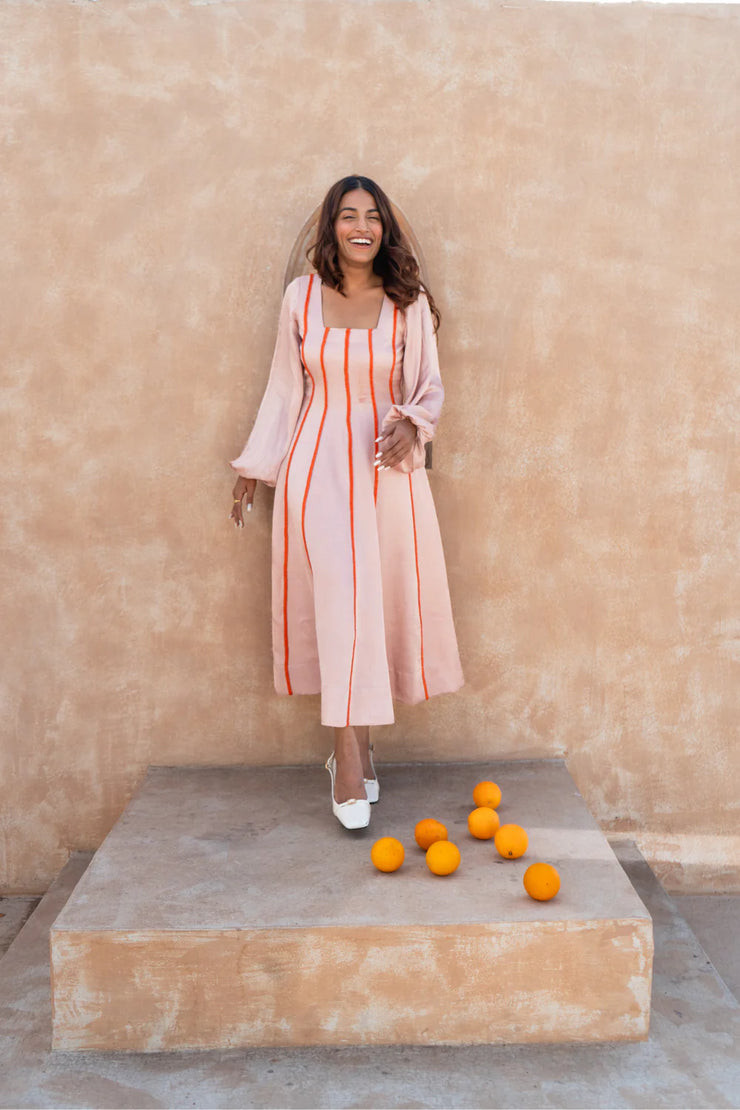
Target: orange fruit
{"points": [[483, 822], [541, 882], [487, 794], [428, 832], [443, 857], [387, 853], [511, 841]]}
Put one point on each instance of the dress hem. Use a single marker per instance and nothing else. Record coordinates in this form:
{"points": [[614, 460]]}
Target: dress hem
{"points": [[374, 723]]}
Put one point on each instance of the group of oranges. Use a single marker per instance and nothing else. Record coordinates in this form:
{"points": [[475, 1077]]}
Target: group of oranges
{"points": [[541, 880]]}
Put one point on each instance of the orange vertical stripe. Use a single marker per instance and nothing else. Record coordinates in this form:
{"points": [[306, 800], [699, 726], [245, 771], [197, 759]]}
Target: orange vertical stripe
{"points": [[375, 411], [393, 364], [285, 492], [305, 321], [316, 448], [351, 516], [418, 588]]}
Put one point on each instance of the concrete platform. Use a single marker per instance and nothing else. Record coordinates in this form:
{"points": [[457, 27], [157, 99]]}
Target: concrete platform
{"points": [[690, 1057], [228, 908]]}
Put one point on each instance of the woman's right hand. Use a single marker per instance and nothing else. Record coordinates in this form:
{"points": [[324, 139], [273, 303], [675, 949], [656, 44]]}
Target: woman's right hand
{"points": [[242, 486]]}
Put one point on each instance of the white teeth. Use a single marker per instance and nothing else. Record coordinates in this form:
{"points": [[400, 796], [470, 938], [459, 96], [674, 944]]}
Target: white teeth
{"points": [[361, 242]]}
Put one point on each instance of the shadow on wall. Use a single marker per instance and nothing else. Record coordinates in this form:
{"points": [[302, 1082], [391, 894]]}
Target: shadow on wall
{"points": [[299, 264]]}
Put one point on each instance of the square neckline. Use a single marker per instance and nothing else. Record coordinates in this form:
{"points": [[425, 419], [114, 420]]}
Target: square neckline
{"points": [[321, 312]]}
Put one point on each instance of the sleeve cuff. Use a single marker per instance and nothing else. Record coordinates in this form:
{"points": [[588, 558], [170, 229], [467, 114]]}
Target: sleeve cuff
{"points": [[416, 457], [268, 477]]}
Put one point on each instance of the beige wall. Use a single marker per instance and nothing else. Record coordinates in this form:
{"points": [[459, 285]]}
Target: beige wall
{"points": [[571, 172]]}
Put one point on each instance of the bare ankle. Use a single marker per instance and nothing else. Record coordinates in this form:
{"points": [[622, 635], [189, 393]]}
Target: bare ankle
{"points": [[349, 766]]}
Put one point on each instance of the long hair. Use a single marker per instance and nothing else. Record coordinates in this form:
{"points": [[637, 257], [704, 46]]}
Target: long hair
{"points": [[394, 263]]}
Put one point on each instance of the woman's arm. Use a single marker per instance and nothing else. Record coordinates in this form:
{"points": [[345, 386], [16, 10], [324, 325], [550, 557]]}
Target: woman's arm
{"points": [[409, 426], [276, 419]]}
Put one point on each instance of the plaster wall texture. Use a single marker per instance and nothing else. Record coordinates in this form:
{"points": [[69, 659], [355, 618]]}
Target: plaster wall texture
{"points": [[571, 174]]}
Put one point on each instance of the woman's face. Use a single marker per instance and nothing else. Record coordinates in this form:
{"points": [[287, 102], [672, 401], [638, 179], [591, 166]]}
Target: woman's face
{"points": [[358, 228]]}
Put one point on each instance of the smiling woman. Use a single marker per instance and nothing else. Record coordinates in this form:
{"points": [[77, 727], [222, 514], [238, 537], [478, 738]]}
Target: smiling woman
{"points": [[298, 262], [359, 234], [361, 608]]}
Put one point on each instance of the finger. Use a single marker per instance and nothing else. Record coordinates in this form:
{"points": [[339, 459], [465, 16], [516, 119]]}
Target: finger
{"points": [[385, 448], [393, 456], [389, 450]]}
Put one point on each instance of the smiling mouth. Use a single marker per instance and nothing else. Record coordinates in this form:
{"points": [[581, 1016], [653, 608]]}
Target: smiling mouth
{"points": [[361, 242]]}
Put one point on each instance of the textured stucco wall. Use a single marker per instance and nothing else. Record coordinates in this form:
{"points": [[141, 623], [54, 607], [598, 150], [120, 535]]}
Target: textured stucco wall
{"points": [[571, 172]]}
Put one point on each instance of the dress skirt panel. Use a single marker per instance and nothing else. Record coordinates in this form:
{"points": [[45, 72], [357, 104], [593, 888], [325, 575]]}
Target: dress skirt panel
{"points": [[421, 646]]}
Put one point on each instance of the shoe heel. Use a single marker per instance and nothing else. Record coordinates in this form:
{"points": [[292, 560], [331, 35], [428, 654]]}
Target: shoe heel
{"points": [[372, 786]]}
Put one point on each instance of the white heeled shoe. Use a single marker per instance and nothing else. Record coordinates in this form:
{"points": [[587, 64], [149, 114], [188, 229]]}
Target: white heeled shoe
{"points": [[355, 812], [372, 786]]}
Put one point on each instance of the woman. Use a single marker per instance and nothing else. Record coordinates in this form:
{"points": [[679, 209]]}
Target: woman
{"points": [[361, 608]]}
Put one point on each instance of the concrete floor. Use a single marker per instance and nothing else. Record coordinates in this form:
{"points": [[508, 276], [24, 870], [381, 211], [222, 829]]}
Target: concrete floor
{"points": [[14, 913], [692, 1057], [715, 921]]}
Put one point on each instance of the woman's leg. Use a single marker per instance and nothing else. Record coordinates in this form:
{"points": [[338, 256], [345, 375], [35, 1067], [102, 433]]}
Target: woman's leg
{"points": [[363, 742], [349, 765]]}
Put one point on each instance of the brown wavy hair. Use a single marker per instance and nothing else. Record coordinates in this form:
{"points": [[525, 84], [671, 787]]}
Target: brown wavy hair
{"points": [[394, 263]]}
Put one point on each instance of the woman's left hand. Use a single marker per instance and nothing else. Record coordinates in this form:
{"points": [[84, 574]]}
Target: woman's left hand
{"points": [[243, 486], [395, 444]]}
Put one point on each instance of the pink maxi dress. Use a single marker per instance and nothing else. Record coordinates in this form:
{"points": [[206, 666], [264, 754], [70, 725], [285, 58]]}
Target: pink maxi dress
{"points": [[360, 604]]}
